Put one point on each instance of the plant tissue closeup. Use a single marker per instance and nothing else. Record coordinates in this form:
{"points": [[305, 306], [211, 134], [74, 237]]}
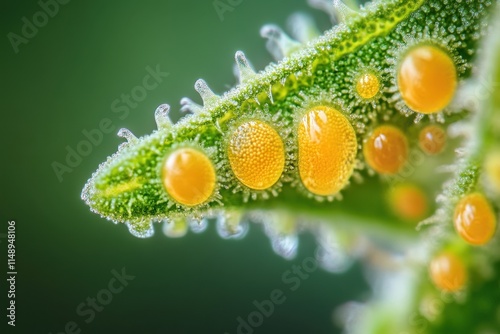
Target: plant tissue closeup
{"points": [[380, 137]]}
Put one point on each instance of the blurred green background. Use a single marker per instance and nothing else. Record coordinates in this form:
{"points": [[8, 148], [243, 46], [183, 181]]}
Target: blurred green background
{"points": [[63, 81]]}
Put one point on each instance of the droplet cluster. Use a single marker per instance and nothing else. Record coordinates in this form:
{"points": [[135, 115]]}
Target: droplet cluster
{"points": [[328, 108]]}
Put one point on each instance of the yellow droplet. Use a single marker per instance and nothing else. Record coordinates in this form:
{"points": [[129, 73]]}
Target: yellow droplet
{"points": [[256, 154], [386, 150], [367, 85], [432, 139], [448, 272], [327, 150], [474, 219], [408, 202], [492, 168], [427, 79], [188, 176]]}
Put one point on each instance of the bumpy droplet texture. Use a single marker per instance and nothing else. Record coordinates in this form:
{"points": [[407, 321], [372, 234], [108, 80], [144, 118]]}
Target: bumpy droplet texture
{"points": [[474, 219], [448, 272], [386, 150], [408, 202], [432, 139], [188, 176], [327, 150], [427, 79], [367, 85], [256, 154]]}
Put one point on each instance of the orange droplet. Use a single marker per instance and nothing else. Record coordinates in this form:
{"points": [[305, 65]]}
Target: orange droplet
{"points": [[408, 202], [188, 176], [386, 150], [427, 79], [327, 150], [474, 219], [432, 139], [256, 154], [367, 85], [448, 272]]}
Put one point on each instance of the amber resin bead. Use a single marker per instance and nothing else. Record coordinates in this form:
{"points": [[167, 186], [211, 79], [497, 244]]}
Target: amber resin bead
{"points": [[409, 202], [386, 150], [188, 176], [432, 139], [327, 150], [367, 85], [474, 219], [448, 272], [256, 154], [427, 79]]}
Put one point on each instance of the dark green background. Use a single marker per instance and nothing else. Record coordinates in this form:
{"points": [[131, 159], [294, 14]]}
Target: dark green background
{"points": [[62, 82]]}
